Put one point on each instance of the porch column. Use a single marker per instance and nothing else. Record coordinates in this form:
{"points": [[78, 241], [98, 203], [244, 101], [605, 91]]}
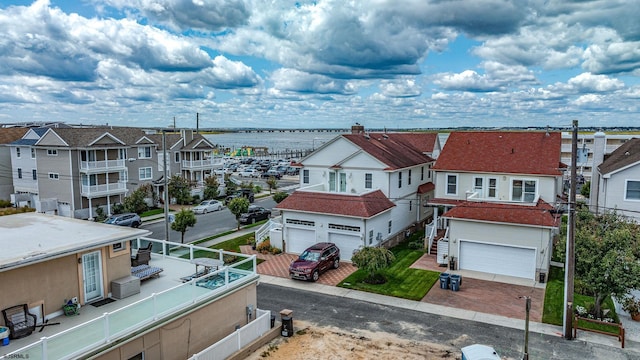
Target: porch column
{"points": [[90, 210], [108, 205]]}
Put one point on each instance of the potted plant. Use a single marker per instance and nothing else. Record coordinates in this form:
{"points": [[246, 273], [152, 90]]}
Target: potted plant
{"points": [[632, 305]]}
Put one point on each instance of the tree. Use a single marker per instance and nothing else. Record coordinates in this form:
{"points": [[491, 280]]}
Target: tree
{"points": [[211, 188], [279, 196], [229, 185], [179, 189], [136, 201], [585, 190], [607, 260], [273, 183], [238, 206], [184, 219], [373, 260]]}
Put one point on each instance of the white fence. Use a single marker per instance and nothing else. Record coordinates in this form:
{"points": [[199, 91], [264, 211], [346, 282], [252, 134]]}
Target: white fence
{"points": [[238, 340]]}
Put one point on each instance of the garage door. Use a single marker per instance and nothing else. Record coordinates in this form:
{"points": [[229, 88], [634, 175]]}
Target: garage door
{"points": [[498, 259], [347, 243], [299, 239]]}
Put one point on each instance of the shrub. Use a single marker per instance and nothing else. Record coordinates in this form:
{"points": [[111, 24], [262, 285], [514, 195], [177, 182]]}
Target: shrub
{"points": [[5, 203]]}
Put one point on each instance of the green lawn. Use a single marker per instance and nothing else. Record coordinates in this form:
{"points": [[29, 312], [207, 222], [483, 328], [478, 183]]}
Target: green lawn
{"points": [[152, 212], [402, 281]]}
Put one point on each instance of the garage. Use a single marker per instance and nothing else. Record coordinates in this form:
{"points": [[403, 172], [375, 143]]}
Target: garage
{"points": [[347, 243], [497, 259], [298, 240]]}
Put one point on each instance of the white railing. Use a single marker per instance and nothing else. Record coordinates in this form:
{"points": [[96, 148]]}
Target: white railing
{"points": [[202, 163], [263, 232], [103, 188], [431, 232], [103, 165], [237, 340]]}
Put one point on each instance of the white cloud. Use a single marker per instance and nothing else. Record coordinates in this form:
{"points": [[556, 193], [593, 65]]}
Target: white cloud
{"points": [[587, 82]]}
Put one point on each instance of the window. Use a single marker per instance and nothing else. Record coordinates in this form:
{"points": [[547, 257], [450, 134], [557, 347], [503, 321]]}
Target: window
{"points": [[343, 182], [429, 174], [409, 178], [18, 153], [305, 176], [632, 191], [368, 181], [332, 181], [370, 237], [399, 180], [523, 190], [123, 176], [410, 205], [34, 174], [477, 187], [344, 227], [52, 152], [177, 157], [144, 152], [54, 176], [119, 246], [145, 173], [19, 173], [452, 184], [389, 227], [492, 189], [422, 173], [89, 180], [33, 153]]}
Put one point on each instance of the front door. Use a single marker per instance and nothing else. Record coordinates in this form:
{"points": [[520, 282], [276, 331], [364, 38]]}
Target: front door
{"points": [[92, 276]]}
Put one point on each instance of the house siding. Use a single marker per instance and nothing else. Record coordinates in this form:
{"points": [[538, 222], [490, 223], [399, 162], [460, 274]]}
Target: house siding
{"points": [[613, 192]]}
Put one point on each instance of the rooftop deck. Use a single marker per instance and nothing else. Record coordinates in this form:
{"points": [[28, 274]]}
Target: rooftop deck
{"points": [[160, 298]]}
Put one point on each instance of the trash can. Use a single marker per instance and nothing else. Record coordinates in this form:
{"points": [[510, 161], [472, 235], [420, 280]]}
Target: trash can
{"points": [[444, 281], [4, 335], [456, 281], [287, 326]]}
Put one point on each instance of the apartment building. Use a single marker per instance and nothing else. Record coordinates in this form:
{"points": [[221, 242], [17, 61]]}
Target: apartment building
{"points": [[587, 150]]}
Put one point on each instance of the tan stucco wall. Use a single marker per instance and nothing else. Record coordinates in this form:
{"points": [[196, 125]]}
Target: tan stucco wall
{"points": [[193, 332], [54, 281]]}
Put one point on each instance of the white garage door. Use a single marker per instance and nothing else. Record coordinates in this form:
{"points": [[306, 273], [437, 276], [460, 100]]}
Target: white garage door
{"points": [[299, 239], [498, 259], [347, 243]]}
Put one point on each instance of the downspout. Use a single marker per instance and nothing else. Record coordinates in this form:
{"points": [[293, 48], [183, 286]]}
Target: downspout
{"points": [[73, 197]]}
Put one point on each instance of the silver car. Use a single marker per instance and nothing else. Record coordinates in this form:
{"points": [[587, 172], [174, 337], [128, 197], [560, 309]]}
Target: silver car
{"points": [[127, 219], [208, 206]]}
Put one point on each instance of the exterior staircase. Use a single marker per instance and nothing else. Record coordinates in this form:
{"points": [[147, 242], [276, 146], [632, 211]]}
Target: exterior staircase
{"points": [[434, 246]]}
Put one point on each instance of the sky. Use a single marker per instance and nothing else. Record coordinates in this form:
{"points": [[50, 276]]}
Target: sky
{"points": [[395, 64]]}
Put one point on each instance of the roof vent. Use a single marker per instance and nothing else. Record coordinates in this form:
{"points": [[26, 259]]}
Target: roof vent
{"points": [[627, 153], [385, 136], [367, 136]]}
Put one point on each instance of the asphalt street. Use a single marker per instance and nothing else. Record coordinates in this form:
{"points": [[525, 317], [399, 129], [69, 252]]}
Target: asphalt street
{"points": [[352, 315]]}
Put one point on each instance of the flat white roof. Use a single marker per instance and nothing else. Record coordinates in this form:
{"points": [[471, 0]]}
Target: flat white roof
{"points": [[32, 237]]}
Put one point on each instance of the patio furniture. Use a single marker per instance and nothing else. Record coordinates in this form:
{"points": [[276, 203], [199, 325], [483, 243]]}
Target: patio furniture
{"points": [[19, 320], [144, 272], [208, 265], [142, 257]]}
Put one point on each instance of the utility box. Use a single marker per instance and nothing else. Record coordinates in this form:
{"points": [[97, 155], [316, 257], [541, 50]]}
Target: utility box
{"points": [[125, 287]]}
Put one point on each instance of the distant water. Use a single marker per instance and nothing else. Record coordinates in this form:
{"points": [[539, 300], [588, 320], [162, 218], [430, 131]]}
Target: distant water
{"points": [[274, 141]]}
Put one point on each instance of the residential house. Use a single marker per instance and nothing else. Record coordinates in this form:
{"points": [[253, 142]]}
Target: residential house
{"points": [[77, 170], [359, 189], [616, 182], [164, 317], [7, 176], [498, 191]]}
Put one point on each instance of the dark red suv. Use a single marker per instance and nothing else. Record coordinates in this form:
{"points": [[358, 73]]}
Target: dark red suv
{"points": [[314, 261]]}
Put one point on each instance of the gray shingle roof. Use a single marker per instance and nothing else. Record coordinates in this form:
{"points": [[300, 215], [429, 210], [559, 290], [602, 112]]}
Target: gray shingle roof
{"points": [[625, 155]]}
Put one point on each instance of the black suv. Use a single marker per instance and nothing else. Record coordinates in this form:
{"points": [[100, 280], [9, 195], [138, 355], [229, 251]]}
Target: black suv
{"points": [[315, 260], [254, 214], [248, 193]]}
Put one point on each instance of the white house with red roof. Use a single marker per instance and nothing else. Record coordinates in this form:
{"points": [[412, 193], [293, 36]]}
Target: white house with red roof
{"points": [[360, 189], [499, 191]]}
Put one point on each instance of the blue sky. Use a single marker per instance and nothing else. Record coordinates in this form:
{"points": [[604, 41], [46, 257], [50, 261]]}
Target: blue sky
{"points": [[321, 64]]}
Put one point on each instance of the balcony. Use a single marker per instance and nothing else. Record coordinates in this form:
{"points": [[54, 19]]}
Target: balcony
{"points": [[159, 300], [93, 191], [102, 166], [202, 164]]}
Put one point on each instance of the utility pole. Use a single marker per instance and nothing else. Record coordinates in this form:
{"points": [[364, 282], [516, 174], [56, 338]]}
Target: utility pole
{"points": [[166, 187], [526, 327], [569, 266]]}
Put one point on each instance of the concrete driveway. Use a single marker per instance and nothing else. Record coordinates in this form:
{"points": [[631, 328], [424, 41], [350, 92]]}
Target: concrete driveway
{"points": [[499, 296]]}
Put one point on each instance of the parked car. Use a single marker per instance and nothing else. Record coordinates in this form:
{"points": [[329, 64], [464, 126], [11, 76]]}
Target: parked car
{"points": [[222, 171], [314, 261], [250, 173], [292, 171], [254, 214], [126, 219], [270, 173], [248, 193], [208, 206]]}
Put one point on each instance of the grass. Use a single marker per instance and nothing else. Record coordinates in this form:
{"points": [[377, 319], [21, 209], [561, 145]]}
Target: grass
{"points": [[152, 212], [402, 281], [554, 304]]}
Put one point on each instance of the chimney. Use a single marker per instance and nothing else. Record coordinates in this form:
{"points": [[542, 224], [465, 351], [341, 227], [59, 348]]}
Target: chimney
{"points": [[187, 136], [599, 144], [197, 123], [357, 129]]}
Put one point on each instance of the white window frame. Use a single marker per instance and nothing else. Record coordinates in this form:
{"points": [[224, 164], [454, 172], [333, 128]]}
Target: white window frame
{"points": [[142, 173], [142, 152], [332, 181], [524, 193], [33, 153], [409, 178], [342, 182], [399, 179], [368, 181], [626, 190], [52, 152], [446, 184], [389, 226], [176, 156], [19, 173], [479, 189], [18, 152], [422, 173], [34, 174], [370, 237], [54, 176], [305, 176]]}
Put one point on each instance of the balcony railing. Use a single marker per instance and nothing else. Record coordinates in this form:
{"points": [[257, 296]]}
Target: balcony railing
{"points": [[205, 163], [103, 189], [103, 165]]}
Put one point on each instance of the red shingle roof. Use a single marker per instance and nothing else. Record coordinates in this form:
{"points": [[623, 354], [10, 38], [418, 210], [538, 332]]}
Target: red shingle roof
{"points": [[396, 150], [426, 187], [502, 152], [363, 206], [539, 215]]}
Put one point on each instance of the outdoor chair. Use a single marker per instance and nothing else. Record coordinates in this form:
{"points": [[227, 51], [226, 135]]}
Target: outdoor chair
{"points": [[19, 320], [142, 257]]}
